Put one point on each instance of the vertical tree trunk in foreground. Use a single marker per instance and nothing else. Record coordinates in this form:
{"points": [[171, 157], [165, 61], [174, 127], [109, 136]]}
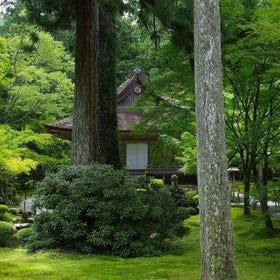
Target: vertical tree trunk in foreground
{"points": [[107, 114], [84, 135], [216, 233]]}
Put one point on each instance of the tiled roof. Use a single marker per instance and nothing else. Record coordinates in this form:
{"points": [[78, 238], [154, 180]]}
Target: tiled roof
{"points": [[126, 119], [126, 94], [65, 124]]}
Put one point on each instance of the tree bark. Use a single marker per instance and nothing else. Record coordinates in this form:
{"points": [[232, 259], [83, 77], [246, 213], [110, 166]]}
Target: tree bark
{"points": [[264, 196], [84, 134], [247, 181], [107, 114], [216, 233]]}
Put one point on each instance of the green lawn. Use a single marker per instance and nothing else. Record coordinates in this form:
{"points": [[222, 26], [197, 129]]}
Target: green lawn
{"points": [[258, 257]]}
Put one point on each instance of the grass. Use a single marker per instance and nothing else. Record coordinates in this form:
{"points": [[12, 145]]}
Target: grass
{"points": [[257, 254]]}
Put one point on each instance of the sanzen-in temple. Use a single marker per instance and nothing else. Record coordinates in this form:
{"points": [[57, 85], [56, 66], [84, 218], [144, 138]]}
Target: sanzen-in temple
{"points": [[135, 149]]}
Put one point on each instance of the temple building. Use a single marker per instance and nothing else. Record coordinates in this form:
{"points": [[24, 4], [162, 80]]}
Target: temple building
{"points": [[135, 150]]}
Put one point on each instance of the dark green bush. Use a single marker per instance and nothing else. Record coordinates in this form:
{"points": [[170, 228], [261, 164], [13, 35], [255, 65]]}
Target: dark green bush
{"points": [[23, 235], [185, 199], [93, 209], [7, 233]]}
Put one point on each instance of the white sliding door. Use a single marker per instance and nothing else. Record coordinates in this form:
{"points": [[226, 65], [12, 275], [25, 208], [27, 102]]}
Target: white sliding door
{"points": [[137, 155]]}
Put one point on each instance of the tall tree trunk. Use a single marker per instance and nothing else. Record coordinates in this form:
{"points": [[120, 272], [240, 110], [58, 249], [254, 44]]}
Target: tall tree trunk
{"points": [[107, 114], [216, 233], [84, 135]]}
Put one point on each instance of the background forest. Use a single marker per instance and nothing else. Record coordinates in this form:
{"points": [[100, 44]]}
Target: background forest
{"points": [[37, 74]]}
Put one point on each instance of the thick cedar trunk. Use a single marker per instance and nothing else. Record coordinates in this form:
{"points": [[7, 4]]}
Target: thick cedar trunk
{"points": [[107, 116], [84, 135], [216, 233]]}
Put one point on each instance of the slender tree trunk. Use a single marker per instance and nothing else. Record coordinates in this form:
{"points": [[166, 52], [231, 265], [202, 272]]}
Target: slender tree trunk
{"points": [[245, 160], [216, 233], [263, 202], [107, 114], [84, 135], [247, 177], [264, 199]]}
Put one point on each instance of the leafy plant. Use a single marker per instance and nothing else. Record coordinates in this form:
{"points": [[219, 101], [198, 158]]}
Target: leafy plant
{"points": [[7, 232], [4, 214], [94, 209], [185, 199], [156, 184], [274, 192], [23, 235], [3, 210]]}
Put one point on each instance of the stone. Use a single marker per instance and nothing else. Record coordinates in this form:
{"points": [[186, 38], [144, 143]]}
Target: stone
{"points": [[14, 211], [22, 225]]}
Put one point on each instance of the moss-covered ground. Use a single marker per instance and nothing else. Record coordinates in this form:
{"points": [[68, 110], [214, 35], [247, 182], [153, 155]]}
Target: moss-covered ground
{"points": [[257, 254]]}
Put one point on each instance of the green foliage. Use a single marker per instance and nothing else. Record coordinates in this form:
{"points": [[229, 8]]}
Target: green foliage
{"points": [[164, 152], [3, 209], [184, 198], [6, 71], [22, 150], [156, 184], [7, 232], [23, 235], [42, 90], [3, 212], [251, 71], [274, 192], [267, 24], [175, 15], [134, 48], [93, 209], [36, 87], [5, 216], [25, 156], [13, 159], [188, 157]]}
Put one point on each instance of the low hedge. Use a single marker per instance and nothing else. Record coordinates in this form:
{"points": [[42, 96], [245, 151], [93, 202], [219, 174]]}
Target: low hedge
{"points": [[7, 233]]}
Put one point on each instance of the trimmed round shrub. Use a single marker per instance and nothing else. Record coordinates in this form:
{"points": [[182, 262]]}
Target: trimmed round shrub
{"points": [[6, 217], [23, 235], [4, 213], [7, 233], [3, 210], [156, 184], [93, 209]]}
